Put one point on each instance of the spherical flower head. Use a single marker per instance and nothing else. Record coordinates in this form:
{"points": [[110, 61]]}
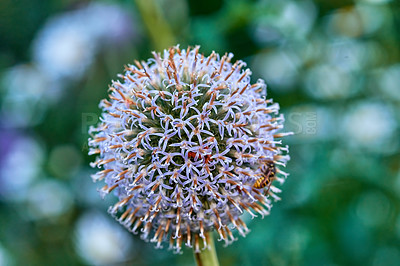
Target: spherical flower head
{"points": [[188, 145]]}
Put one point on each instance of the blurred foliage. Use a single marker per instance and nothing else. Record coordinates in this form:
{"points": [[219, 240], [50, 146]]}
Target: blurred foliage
{"points": [[334, 67]]}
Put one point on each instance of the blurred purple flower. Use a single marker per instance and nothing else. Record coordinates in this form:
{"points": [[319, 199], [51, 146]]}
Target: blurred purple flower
{"points": [[15, 181], [98, 241], [27, 94], [67, 44]]}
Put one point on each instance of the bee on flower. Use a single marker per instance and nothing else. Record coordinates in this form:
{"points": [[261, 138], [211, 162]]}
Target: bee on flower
{"points": [[182, 142]]}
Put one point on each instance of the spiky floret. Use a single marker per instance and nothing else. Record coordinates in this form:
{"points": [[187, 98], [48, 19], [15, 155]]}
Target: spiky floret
{"points": [[182, 141]]}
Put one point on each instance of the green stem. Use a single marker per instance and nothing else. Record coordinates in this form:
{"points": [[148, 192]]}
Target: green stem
{"points": [[159, 31], [207, 257]]}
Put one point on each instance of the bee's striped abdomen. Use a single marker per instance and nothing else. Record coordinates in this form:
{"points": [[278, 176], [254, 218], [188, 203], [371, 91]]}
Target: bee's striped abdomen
{"points": [[266, 177], [262, 182]]}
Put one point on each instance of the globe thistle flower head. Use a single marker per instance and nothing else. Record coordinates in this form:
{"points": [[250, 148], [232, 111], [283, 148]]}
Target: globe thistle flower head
{"points": [[188, 145]]}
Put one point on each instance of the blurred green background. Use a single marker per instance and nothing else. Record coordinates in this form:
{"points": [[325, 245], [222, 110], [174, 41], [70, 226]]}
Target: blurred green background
{"points": [[334, 67]]}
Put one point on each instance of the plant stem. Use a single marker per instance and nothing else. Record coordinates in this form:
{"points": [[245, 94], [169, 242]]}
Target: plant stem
{"points": [[208, 256], [158, 29]]}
